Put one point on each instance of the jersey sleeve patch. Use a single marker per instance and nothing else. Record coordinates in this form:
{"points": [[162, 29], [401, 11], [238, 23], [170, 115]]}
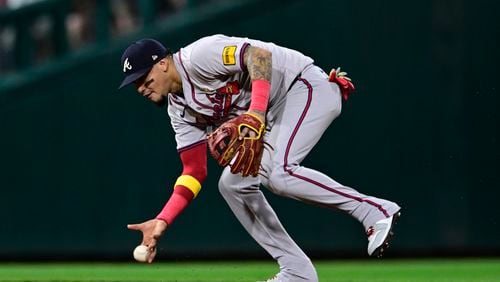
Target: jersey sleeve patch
{"points": [[228, 55]]}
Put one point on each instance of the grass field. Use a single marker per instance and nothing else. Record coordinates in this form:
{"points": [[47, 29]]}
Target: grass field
{"points": [[335, 270]]}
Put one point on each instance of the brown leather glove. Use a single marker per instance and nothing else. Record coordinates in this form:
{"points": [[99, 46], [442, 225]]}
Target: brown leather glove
{"points": [[224, 145]]}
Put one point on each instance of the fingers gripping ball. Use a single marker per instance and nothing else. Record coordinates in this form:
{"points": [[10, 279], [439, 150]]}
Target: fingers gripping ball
{"points": [[141, 253], [224, 145]]}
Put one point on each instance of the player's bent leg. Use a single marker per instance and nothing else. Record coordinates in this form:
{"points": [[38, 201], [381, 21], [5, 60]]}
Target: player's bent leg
{"points": [[313, 187], [312, 104], [258, 218]]}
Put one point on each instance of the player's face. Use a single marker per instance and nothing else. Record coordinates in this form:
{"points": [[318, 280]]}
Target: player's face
{"points": [[153, 85]]}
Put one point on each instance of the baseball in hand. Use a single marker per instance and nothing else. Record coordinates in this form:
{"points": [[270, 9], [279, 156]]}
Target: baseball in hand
{"points": [[141, 253]]}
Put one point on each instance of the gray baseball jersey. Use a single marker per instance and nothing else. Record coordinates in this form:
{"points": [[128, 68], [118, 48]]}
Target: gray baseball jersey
{"points": [[302, 105], [217, 87]]}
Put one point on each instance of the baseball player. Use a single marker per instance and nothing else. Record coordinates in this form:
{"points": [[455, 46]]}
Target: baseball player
{"points": [[217, 79]]}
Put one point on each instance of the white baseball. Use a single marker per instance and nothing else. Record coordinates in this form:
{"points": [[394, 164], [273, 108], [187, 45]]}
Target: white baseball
{"points": [[141, 253]]}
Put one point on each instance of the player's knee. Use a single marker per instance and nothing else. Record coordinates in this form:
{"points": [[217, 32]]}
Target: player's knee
{"points": [[279, 176], [225, 188], [229, 185], [276, 182]]}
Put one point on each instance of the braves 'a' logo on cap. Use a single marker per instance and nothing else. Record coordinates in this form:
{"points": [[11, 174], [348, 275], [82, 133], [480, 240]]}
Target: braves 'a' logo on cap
{"points": [[126, 65]]}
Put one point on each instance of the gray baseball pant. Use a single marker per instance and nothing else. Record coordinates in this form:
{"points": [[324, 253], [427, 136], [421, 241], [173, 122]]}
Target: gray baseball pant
{"points": [[311, 105]]}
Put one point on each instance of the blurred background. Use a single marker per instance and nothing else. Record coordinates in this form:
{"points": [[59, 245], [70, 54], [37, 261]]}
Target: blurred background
{"points": [[78, 160]]}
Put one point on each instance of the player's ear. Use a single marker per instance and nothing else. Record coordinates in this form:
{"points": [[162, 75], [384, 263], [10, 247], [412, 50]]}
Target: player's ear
{"points": [[164, 64]]}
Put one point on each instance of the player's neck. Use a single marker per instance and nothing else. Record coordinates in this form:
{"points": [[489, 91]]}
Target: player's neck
{"points": [[176, 81]]}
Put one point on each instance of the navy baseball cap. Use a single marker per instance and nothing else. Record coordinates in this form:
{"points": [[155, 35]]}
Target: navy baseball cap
{"points": [[140, 57]]}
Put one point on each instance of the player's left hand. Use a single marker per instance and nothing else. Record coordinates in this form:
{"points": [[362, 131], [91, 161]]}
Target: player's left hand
{"points": [[152, 230], [247, 132]]}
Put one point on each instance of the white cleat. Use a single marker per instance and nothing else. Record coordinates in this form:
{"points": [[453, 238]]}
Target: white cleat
{"points": [[380, 234]]}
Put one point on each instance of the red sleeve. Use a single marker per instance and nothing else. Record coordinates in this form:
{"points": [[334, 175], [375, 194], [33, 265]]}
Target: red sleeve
{"points": [[194, 161]]}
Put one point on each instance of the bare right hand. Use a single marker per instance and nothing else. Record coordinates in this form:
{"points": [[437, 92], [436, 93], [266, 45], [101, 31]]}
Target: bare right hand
{"points": [[152, 230]]}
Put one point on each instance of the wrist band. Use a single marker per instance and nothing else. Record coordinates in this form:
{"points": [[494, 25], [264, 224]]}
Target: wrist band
{"points": [[260, 95], [189, 182]]}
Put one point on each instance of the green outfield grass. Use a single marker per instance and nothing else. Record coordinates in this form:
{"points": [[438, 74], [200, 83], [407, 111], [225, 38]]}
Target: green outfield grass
{"points": [[336, 270]]}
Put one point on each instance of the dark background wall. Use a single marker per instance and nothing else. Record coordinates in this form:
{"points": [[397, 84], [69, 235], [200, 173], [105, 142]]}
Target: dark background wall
{"points": [[79, 160]]}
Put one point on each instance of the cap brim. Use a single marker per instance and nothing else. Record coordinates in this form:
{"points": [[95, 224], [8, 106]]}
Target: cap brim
{"points": [[133, 77]]}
